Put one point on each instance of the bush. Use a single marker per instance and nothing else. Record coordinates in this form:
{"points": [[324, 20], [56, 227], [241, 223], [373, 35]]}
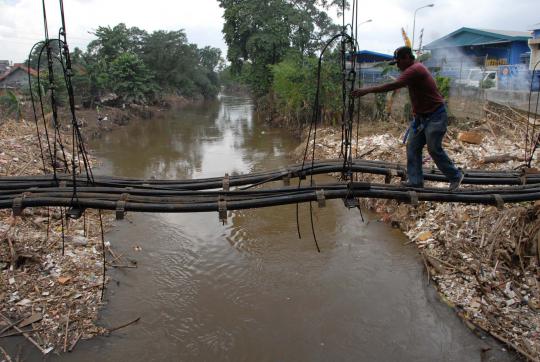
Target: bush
{"points": [[294, 84], [11, 104], [443, 83]]}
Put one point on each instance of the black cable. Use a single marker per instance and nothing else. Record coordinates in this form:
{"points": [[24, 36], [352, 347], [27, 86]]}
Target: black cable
{"points": [[317, 119], [533, 140], [313, 118], [103, 256], [42, 107], [364, 190], [34, 107]]}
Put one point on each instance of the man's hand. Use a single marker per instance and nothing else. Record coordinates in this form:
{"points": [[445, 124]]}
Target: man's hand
{"points": [[360, 92]]}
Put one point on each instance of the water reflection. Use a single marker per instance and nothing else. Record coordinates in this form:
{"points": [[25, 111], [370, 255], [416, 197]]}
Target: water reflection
{"points": [[196, 142]]}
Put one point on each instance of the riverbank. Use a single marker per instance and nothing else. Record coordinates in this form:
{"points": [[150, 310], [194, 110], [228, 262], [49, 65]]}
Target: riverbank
{"points": [[52, 273], [484, 261], [51, 267]]}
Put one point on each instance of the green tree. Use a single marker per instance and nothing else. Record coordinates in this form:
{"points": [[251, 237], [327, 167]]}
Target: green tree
{"points": [[261, 32], [181, 67], [130, 79], [135, 64], [210, 58], [112, 42], [169, 55]]}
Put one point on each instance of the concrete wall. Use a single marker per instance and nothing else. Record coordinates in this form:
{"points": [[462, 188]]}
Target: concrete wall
{"points": [[469, 102], [515, 99]]}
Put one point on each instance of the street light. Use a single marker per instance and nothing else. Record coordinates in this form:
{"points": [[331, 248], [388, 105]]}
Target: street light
{"points": [[357, 26], [367, 21], [414, 21]]}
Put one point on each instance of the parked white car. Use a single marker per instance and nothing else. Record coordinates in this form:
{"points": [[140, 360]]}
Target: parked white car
{"points": [[476, 77]]}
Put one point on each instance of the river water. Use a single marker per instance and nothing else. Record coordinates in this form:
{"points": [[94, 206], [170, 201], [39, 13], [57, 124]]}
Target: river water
{"points": [[251, 290]]}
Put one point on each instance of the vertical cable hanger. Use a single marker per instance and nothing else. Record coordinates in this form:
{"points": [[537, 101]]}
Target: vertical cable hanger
{"points": [[347, 43], [63, 58]]}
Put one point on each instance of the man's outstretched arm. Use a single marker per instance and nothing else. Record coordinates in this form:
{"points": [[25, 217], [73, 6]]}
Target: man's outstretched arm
{"points": [[378, 89]]}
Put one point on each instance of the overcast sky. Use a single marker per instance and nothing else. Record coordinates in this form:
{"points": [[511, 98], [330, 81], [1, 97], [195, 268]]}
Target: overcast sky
{"points": [[21, 21]]}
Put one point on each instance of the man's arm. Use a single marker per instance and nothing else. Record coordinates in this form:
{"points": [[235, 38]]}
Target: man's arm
{"points": [[378, 89]]}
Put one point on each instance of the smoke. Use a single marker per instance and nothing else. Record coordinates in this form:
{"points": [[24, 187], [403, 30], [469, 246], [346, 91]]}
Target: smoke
{"points": [[454, 63], [470, 71]]}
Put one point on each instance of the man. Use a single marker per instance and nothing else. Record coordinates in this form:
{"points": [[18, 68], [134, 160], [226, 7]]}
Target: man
{"points": [[430, 122]]}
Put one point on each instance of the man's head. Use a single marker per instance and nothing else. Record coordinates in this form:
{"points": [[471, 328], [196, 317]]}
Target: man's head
{"points": [[403, 58]]}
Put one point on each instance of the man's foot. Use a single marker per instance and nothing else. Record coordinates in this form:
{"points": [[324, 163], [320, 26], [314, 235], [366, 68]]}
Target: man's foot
{"points": [[408, 184], [454, 185]]}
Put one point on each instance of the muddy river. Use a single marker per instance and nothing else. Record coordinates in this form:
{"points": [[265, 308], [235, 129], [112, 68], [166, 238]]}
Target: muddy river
{"points": [[251, 290]]}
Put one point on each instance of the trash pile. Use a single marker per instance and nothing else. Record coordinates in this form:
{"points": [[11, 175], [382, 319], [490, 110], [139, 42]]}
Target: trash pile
{"points": [[485, 261], [51, 267]]}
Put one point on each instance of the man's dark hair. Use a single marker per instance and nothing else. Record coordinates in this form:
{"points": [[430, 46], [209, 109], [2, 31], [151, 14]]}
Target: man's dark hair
{"points": [[403, 52]]}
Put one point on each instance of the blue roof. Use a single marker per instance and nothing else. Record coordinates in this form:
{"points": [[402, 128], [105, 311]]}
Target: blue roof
{"points": [[371, 56], [469, 36]]}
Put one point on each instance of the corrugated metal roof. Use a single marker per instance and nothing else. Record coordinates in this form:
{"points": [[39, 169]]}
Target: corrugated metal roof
{"points": [[511, 33], [370, 52], [469, 36], [371, 56]]}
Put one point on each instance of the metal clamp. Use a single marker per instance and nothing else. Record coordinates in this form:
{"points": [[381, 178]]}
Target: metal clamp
{"points": [[413, 198], [401, 171], [287, 177], [17, 206], [526, 171], [499, 202], [222, 210], [389, 174], [321, 199], [120, 209], [226, 182]]}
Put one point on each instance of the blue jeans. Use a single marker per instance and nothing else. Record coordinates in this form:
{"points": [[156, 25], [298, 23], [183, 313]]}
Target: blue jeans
{"points": [[430, 130]]}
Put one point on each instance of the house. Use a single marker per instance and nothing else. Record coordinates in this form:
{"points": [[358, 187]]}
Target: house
{"points": [[4, 66], [534, 45], [480, 48], [16, 77]]}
